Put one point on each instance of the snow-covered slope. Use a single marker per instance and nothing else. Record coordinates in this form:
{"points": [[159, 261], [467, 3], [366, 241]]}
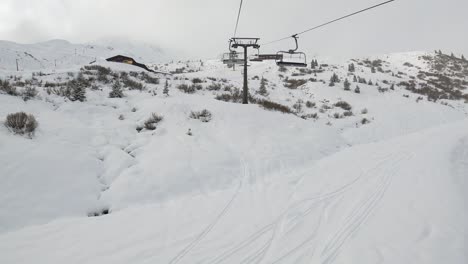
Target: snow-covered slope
{"points": [[61, 54], [385, 183]]}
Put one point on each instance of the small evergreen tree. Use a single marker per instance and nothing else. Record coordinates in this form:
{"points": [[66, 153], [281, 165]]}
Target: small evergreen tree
{"points": [[392, 87], [463, 58], [373, 70], [351, 67], [334, 79], [355, 78], [77, 91], [452, 55], [116, 90], [263, 89], [315, 63], [166, 88], [347, 85], [370, 82], [357, 90]]}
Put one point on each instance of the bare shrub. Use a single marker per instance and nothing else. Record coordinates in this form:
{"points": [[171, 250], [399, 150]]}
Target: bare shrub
{"points": [[152, 121], [29, 93], [344, 105], [189, 89], [310, 104], [214, 87], [269, 105], [197, 80], [129, 83], [310, 116], [204, 115], [337, 116], [149, 79], [21, 123], [7, 88], [235, 96], [298, 106], [294, 83]]}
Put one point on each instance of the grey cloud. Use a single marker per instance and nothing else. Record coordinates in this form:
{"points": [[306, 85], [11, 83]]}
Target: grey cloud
{"points": [[202, 28]]}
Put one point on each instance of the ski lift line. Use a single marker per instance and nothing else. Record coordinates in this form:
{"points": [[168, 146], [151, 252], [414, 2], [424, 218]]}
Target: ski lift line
{"points": [[238, 17], [330, 22]]}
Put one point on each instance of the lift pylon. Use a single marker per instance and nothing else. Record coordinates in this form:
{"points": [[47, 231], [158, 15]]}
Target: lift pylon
{"points": [[245, 43]]}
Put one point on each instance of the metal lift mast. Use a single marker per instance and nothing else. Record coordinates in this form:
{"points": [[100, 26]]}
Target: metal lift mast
{"points": [[245, 43]]}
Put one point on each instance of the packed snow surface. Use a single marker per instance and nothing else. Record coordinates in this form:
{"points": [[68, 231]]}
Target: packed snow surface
{"points": [[251, 186]]}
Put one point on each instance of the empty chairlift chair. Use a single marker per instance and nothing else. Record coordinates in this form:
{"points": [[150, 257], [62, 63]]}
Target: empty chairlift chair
{"points": [[232, 57], [291, 58]]}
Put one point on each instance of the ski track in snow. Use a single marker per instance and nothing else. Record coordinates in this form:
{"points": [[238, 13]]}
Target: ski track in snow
{"points": [[351, 225], [205, 232], [363, 210]]}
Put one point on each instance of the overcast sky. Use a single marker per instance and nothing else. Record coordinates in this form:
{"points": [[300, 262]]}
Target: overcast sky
{"points": [[202, 27]]}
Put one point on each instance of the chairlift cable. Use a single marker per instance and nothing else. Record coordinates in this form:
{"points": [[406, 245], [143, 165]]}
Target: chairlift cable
{"points": [[238, 17], [330, 22]]}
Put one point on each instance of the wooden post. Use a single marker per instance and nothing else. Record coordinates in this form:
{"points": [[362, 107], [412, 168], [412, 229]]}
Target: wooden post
{"points": [[17, 67]]}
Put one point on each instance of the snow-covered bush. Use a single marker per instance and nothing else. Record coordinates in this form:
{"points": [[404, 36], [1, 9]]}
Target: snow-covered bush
{"points": [[298, 106], [129, 83], [7, 88], [21, 123], [310, 116], [235, 96], [29, 93], [282, 69], [152, 121], [190, 89], [214, 87], [204, 115], [149, 79]]}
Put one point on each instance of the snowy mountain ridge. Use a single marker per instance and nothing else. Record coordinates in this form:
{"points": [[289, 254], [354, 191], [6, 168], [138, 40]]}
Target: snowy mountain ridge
{"points": [[312, 171], [61, 54]]}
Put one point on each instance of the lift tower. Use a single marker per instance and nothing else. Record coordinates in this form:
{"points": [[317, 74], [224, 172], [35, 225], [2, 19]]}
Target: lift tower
{"points": [[245, 43]]}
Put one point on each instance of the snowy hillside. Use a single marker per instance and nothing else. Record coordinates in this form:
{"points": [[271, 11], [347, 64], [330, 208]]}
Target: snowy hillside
{"points": [[61, 54], [309, 172]]}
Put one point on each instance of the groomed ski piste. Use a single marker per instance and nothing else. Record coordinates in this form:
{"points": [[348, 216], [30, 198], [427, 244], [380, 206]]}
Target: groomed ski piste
{"points": [[250, 186]]}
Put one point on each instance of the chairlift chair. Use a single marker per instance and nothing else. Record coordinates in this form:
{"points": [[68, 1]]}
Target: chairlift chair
{"points": [[232, 57], [292, 58], [256, 57]]}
